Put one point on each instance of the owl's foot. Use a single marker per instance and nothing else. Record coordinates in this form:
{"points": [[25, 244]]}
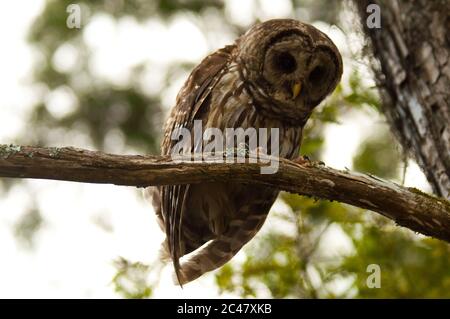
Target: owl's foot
{"points": [[305, 161], [302, 160]]}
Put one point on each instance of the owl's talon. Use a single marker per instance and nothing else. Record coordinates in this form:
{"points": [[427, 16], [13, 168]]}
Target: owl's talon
{"points": [[302, 160], [305, 160]]}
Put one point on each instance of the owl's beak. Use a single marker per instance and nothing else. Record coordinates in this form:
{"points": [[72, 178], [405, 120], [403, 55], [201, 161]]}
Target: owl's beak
{"points": [[296, 89]]}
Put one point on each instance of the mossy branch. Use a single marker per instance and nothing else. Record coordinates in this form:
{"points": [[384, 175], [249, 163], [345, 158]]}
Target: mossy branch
{"points": [[408, 207]]}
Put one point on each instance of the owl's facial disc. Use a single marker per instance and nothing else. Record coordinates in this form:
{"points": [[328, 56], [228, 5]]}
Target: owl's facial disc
{"points": [[283, 65], [322, 74], [290, 67], [297, 74]]}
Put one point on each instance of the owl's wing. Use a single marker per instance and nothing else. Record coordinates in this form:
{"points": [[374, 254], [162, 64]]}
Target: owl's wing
{"points": [[191, 98], [191, 102]]}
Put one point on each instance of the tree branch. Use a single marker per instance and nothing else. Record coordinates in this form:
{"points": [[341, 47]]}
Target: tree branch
{"points": [[408, 207]]}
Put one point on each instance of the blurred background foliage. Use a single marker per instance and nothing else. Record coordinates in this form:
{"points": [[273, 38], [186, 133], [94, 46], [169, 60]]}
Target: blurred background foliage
{"points": [[293, 256]]}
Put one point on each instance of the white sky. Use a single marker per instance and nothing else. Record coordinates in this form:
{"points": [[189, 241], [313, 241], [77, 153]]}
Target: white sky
{"points": [[73, 255]]}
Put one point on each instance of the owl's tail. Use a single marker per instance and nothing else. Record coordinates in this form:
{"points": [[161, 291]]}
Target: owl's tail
{"points": [[220, 250]]}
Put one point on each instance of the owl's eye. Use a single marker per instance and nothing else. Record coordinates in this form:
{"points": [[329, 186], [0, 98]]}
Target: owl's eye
{"points": [[317, 75], [284, 62]]}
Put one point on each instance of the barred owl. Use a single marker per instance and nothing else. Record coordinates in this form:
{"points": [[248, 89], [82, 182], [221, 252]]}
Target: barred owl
{"points": [[271, 77]]}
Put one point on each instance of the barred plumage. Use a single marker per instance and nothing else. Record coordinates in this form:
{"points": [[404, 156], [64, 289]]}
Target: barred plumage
{"points": [[253, 83]]}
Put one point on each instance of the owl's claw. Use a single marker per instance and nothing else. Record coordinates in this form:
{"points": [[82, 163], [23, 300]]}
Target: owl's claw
{"points": [[302, 160], [305, 161]]}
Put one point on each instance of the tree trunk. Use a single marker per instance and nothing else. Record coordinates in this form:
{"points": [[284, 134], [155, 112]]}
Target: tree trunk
{"points": [[413, 75]]}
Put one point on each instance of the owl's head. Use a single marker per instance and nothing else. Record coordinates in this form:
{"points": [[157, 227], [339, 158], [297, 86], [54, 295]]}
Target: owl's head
{"points": [[289, 66]]}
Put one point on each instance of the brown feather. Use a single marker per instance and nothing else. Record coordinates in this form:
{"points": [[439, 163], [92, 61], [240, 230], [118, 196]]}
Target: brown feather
{"points": [[189, 101]]}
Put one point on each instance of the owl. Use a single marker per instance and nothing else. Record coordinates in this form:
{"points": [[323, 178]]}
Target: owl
{"points": [[273, 76]]}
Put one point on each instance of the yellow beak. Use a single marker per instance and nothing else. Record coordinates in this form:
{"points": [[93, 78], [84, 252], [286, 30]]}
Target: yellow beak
{"points": [[296, 89]]}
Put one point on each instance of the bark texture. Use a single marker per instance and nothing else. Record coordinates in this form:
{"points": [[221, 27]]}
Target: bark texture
{"points": [[413, 75], [408, 207]]}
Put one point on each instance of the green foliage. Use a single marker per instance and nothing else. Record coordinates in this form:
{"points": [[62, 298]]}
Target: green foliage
{"points": [[102, 111], [319, 10], [100, 106], [169, 7], [293, 265], [26, 228], [131, 279], [410, 267], [356, 97], [378, 156], [360, 95]]}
